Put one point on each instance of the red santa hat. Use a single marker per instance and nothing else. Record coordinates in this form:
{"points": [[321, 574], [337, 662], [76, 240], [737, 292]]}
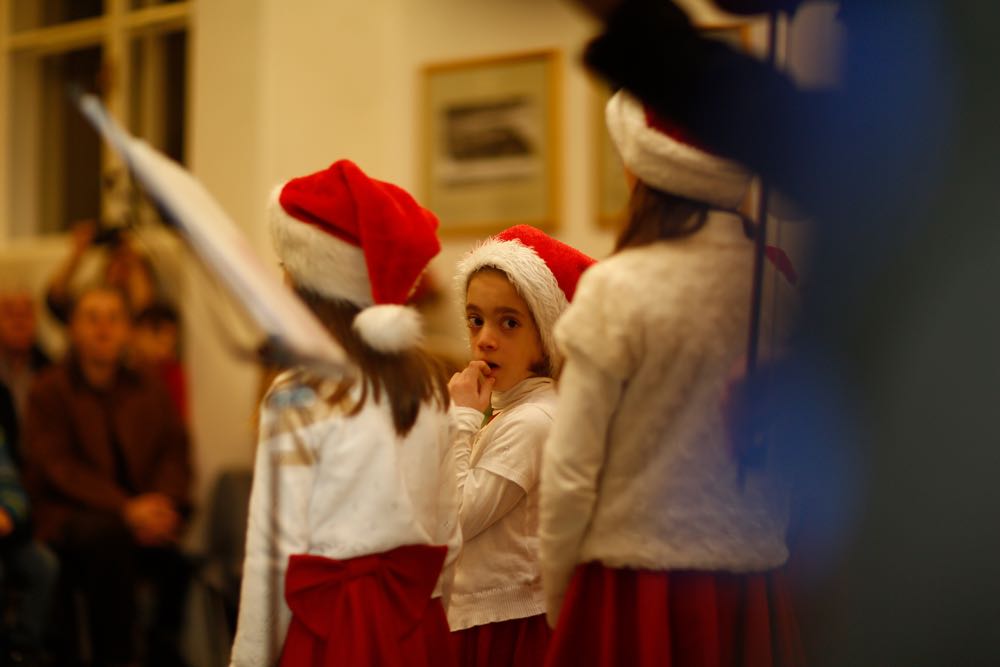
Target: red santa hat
{"points": [[544, 272], [662, 158], [346, 236]]}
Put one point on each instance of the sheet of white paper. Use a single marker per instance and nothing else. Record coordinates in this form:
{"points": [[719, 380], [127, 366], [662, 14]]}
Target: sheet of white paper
{"points": [[222, 247]]}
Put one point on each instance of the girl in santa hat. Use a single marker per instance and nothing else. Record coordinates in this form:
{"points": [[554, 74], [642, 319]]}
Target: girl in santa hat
{"points": [[514, 286], [353, 515], [658, 547]]}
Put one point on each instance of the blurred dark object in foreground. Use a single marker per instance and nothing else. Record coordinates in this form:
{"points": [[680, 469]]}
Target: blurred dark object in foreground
{"points": [[891, 386], [758, 6]]}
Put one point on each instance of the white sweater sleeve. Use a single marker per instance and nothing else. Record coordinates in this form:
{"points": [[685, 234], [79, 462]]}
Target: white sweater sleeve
{"points": [[484, 496], [449, 526], [571, 465], [597, 335], [284, 476]]}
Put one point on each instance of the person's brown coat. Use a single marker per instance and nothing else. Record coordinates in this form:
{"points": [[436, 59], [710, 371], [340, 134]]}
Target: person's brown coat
{"points": [[68, 445]]}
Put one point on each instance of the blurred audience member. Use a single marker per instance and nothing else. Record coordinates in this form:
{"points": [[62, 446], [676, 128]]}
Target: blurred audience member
{"points": [[155, 343], [21, 358], [124, 268], [26, 566], [8, 413], [110, 475]]}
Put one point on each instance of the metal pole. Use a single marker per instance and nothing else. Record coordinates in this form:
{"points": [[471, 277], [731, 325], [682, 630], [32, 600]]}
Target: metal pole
{"points": [[760, 239]]}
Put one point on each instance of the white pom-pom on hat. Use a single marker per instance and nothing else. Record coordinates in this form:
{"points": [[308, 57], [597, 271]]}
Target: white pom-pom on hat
{"points": [[389, 328]]}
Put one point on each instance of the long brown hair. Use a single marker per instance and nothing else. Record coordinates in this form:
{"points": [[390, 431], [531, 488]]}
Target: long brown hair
{"points": [[408, 378], [654, 215]]}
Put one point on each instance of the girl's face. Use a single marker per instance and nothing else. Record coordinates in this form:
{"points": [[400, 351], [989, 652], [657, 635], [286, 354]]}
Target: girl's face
{"points": [[502, 331]]}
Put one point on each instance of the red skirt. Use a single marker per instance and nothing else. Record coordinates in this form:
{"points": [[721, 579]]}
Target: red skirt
{"points": [[675, 618], [519, 642], [370, 610]]}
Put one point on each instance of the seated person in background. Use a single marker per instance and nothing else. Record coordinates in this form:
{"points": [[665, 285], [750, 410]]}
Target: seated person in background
{"points": [[124, 268], [155, 343], [109, 472], [25, 565], [21, 358]]}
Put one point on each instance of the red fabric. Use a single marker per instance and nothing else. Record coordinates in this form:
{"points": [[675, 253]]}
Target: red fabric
{"points": [[520, 642], [643, 618], [370, 610], [676, 132], [782, 263], [172, 374], [397, 236], [565, 262]]}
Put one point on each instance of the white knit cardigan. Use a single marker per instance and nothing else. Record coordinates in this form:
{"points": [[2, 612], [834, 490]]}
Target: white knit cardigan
{"points": [[638, 472]]}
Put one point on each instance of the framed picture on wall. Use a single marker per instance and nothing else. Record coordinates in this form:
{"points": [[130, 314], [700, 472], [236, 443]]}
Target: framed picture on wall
{"points": [[490, 156], [611, 189]]}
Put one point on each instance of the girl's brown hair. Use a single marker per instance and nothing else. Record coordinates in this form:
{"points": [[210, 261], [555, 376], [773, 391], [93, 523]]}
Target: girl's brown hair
{"points": [[409, 378], [654, 215]]}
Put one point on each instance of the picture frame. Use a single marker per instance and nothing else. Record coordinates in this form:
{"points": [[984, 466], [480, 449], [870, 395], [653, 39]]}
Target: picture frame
{"points": [[610, 188], [490, 153]]}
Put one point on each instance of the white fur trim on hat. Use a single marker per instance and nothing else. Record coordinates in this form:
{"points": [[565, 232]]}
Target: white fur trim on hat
{"points": [[530, 276], [317, 260], [389, 328], [669, 165]]}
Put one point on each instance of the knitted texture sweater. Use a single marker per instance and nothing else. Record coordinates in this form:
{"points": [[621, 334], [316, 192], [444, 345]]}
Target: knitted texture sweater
{"points": [[638, 471]]}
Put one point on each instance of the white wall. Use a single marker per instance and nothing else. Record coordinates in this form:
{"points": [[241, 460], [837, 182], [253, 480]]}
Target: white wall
{"points": [[224, 149]]}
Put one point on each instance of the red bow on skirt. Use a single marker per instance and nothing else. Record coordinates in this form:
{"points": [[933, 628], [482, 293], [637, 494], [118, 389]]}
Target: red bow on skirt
{"points": [[362, 611]]}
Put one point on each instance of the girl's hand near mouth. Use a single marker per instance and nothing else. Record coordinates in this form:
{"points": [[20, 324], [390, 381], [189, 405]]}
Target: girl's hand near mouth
{"points": [[471, 388]]}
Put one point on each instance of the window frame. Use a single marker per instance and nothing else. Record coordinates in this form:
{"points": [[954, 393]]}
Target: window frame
{"points": [[114, 32]]}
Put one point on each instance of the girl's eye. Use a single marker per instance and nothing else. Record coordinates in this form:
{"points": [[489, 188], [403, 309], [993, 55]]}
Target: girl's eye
{"points": [[474, 321], [510, 323]]}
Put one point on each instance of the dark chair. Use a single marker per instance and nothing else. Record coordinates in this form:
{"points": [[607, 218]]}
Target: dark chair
{"points": [[219, 572]]}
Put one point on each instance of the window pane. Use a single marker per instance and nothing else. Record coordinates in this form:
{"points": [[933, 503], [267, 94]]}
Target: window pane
{"points": [[30, 14], [158, 90], [54, 153], [158, 98]]}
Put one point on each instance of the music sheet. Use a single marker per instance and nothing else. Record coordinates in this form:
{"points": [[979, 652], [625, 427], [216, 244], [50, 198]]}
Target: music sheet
{"points": [[220, 245]]}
